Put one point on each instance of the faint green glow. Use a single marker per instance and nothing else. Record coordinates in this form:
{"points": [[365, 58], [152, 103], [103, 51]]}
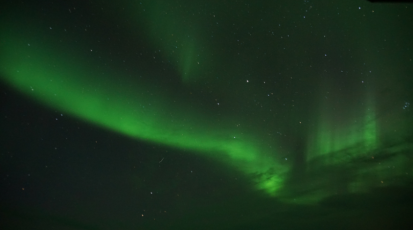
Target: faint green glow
{"points": [[178, 34], [187, 60], [370, 130]]}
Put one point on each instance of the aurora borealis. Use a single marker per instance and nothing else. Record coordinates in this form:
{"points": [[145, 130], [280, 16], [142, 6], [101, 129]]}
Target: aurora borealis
{"points": [[186, 114]]}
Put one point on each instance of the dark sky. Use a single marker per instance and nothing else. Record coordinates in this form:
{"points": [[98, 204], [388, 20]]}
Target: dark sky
{"points": [[172, 114]]}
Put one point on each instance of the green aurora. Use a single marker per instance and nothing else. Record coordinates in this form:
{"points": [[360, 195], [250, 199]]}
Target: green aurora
{"points": [[66, 72]]}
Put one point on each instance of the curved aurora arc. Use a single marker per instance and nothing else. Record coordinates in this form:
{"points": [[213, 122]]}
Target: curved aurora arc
{"points": [[67, 78], [43, 74]]}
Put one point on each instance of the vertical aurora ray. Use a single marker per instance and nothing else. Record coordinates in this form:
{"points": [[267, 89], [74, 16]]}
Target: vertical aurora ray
{"points": [[331, 139]]}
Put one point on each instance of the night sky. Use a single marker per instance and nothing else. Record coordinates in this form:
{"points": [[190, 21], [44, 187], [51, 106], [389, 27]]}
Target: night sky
{"points": [[179, 114]]}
